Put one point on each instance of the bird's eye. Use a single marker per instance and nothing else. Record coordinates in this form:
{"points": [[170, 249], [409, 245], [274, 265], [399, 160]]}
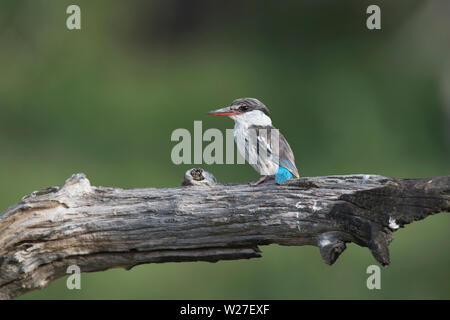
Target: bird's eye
{"points": [[243, 108]]}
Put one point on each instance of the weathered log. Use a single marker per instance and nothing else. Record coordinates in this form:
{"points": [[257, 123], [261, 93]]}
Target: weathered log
{"points": [[98, 228]]}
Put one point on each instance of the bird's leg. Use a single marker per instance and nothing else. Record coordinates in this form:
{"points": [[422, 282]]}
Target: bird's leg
{"points": [[261, 180]]}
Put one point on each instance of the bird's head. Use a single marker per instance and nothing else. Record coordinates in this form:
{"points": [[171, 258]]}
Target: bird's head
{"points": [[248, 111]]}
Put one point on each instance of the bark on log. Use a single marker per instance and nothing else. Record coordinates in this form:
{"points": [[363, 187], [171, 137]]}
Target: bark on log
{"points": [[98, 228]]}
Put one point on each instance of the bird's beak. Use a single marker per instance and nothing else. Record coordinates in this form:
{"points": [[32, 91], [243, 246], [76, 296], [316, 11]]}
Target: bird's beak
{"points": [[224, 112]]}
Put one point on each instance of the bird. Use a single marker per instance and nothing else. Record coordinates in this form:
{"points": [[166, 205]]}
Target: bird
{"points": [[256, 140]]}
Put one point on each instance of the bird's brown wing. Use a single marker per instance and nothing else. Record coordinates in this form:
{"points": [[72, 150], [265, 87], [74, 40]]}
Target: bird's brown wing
{"points": [[283, 155], [286, 156]]}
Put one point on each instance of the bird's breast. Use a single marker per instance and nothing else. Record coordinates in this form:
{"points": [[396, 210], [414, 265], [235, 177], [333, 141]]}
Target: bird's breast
{"points": [[247, 146]]}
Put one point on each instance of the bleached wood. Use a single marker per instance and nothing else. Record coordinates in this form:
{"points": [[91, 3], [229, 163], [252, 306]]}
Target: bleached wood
{"points": [[98, 228]]}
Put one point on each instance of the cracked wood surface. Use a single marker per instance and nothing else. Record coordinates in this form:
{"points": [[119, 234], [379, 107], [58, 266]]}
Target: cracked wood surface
{"points": [[98, 228]]}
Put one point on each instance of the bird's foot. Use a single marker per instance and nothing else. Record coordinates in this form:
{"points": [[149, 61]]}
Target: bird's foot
{"points": [[261, 180]]}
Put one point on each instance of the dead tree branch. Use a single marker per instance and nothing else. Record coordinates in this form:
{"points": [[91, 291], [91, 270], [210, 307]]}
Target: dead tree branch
{"points": [[98, 228]]}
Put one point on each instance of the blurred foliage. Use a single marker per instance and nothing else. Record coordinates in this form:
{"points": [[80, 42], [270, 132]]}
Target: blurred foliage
{"points": [[104, 100]]}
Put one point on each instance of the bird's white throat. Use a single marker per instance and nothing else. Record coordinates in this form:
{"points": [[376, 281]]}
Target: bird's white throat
{"points": [[252, 118]]}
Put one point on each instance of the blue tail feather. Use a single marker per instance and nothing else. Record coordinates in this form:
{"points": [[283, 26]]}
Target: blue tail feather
{"points": [[283, 175]]}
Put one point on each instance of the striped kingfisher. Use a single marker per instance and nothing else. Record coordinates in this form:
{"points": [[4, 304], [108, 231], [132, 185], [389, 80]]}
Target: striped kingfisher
{"points": [[258, 141]]}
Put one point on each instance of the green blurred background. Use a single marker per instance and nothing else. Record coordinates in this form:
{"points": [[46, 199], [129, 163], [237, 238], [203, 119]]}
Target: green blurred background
{"points": [[105, 99]]}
